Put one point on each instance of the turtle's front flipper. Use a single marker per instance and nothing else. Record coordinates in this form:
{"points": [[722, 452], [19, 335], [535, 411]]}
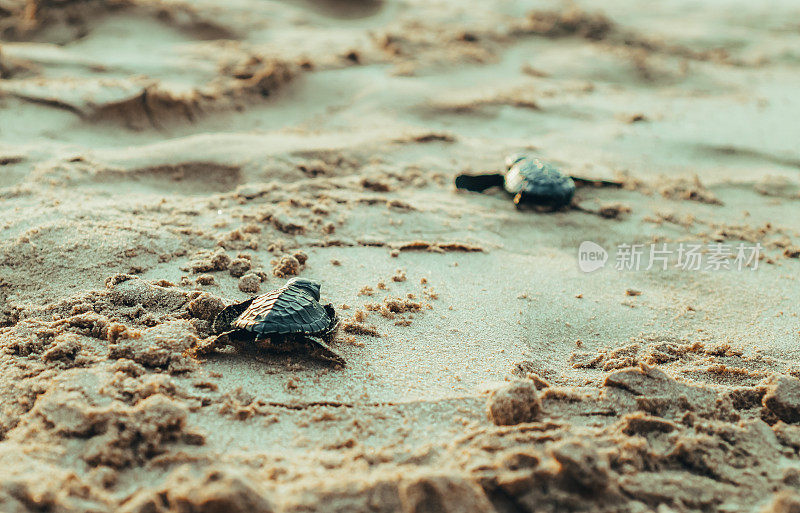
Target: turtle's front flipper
{"points": [[329, 335], [208, 345], [478, 183], [319, 349], [223, 320], [212, 344]]}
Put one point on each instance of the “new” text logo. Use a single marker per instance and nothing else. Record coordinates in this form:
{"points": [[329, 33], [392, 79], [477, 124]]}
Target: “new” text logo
{"points": [[591, 256]]}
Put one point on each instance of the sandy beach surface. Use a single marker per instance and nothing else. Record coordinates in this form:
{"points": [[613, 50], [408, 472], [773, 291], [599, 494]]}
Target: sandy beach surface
{"points": [[162, 159]]}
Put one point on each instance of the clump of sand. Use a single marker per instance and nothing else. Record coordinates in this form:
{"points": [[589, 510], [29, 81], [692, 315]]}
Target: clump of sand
{"points": [[514, 403]]}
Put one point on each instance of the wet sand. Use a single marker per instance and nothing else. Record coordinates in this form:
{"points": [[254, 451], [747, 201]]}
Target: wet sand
{"points": [[160, 159]]}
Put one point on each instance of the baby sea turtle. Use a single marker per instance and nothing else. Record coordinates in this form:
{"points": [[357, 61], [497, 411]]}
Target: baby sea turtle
{"points": [[531, 183], [288, 319]]}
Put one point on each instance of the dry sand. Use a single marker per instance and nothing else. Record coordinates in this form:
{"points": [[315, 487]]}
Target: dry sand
{"points": [[159, 159]]}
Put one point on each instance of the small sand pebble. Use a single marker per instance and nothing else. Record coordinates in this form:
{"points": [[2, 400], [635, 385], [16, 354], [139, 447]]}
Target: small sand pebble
{"points": [[205, 306], [239, 267], [220, 261], [613, 210], [301, 257], [205, 279], [514, 403], [250, 283], [288, 265]]}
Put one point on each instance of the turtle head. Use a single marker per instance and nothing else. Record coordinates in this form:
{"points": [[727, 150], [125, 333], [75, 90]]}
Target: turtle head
{"points": [[311, 286], [514, 158]]}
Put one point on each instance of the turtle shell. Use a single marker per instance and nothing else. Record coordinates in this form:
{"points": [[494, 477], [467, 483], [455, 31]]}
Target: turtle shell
{"points": [[293, 308], [535, 183]]}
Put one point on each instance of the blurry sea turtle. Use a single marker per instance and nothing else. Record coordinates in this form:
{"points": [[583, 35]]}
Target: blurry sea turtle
{"points": [[531, 183], [288, 319]]}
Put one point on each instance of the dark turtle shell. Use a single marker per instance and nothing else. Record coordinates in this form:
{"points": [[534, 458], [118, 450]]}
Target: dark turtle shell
{"points": [[293, 308], [532, 182]]}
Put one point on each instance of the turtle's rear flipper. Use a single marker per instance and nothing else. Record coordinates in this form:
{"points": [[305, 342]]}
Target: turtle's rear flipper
{"points": [[212, 344], [322, 351], [478, 183], [588, 182]]}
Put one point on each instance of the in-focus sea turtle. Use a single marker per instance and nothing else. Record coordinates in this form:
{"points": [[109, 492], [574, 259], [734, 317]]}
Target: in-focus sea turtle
{"points": [[531, 183], [288, 319]]}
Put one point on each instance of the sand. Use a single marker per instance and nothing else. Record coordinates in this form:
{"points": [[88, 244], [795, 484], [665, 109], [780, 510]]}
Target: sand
{"points": [[160, 159]]}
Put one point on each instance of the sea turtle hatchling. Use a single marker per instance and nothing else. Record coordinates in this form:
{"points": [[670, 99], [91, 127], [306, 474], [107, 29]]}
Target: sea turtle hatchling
{"points": [[288, 319], [531, 183]]}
